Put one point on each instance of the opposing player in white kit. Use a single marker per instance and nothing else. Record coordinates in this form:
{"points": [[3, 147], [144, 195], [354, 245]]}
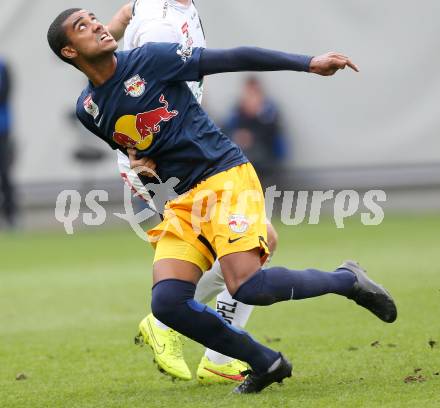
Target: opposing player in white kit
{"points": [[177, 21]]}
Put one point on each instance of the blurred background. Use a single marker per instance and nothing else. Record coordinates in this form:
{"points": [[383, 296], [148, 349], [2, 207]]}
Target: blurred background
{"points": [[377, 129]]}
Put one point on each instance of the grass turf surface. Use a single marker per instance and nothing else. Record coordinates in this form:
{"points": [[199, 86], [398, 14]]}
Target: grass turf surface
{"points": [[69, 308]]}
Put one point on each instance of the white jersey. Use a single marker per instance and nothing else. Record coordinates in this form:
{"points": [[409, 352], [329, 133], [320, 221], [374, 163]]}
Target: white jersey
{"points": [[166, 21], [161, 21]]}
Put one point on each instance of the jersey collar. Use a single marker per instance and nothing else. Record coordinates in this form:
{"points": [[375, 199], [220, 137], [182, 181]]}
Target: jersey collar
{"points": [[114, 78]]}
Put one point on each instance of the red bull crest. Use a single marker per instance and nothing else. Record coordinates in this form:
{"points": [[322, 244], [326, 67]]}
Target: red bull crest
{"points": [[138, 131], [135, 86], [238, 223]]}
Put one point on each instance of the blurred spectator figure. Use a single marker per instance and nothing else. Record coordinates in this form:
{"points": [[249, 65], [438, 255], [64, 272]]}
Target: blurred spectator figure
{"points": [[7, 201], [255, 125]]}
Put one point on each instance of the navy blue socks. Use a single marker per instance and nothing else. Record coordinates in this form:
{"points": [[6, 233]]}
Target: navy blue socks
{"points": [[277, 284], [173, 304]]}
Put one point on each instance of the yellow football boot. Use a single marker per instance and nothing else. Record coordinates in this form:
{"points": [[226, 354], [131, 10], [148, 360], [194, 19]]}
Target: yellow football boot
{"points": [[166, 346], [210, 373]]}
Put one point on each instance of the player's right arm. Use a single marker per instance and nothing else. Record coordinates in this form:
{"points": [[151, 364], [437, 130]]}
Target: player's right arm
{"points": [[120, 21], [87, 118]]}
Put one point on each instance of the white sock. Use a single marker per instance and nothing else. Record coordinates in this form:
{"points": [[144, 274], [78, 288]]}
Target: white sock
{"points": [[161, 325], [210, 285], [235, 313], [217, 358]]}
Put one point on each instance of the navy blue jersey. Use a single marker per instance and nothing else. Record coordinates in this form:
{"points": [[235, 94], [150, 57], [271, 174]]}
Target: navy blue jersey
{"points": [[148, 106]]}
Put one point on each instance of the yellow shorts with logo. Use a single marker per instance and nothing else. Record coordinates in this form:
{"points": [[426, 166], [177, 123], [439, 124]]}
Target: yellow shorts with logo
{"points": [[221, 215]]}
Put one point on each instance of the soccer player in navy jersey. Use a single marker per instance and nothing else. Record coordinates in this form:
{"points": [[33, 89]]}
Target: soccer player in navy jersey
{"points": [[178, 21], [139, 100]]}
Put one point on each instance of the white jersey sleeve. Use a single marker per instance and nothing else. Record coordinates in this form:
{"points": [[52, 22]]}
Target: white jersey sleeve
{"points": [[132, 180], [157, 31]]}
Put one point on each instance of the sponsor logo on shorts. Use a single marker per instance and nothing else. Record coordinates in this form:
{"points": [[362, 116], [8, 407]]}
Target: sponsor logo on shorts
{"points": [[231, 241], [238, 223]]}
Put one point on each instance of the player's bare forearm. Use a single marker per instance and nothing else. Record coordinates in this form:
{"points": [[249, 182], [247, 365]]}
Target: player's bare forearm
{"points": [[259, 59], [120, 21]]}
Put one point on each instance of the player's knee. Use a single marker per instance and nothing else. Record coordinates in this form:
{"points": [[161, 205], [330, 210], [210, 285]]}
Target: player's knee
{"points": [[162, 303], [272, 238], [169, 298], [252, 291], [238, 267]]}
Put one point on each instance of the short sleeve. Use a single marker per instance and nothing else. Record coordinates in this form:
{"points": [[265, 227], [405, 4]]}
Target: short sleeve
{"points": [[174, 62], [87, 122]]}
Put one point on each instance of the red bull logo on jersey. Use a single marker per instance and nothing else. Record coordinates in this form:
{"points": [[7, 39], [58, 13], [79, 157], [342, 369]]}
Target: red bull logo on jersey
{"points": [[238, 223], [135, 86], [137, 131]]}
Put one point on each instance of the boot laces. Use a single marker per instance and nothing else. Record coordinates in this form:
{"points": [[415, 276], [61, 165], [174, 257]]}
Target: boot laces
{"points": [[176, 345]]}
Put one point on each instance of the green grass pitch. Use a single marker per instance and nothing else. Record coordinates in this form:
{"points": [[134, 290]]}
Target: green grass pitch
{"points": [[70, 305]]}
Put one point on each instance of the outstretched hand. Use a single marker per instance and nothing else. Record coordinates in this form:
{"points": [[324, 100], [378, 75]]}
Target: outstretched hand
{"points": [[328, 64]]}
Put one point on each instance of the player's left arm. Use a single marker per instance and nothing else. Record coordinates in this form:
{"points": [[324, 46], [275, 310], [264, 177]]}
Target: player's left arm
{"points": [[214, 61], [174, 62], [120, 21]]}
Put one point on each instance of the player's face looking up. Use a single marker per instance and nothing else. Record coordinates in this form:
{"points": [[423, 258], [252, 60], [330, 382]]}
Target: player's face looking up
{"points": [[89, 40]]}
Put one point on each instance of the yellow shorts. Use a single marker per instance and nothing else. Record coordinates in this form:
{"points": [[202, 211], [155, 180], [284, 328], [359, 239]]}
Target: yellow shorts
{"points": [[221, 215], [172, 247]]}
